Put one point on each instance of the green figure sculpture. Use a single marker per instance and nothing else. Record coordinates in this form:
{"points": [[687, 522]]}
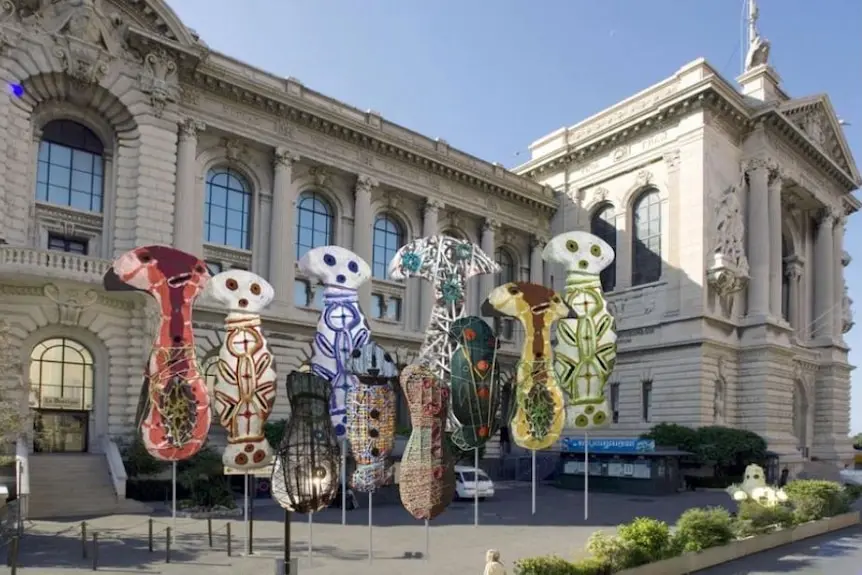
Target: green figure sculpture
{"points": [[587, 346]]}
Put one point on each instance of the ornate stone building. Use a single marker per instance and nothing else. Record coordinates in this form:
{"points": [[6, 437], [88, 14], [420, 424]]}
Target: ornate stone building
{"points": [[727, 209], [120, 128]]}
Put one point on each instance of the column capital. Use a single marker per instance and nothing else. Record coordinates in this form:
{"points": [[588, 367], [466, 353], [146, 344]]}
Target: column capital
{"points": [[433, 204], [490, 225], [671, 159], [365, 183], [189, 128], [830, 216], [760, 163], [284, 158], [794, 270], [539, 241]]}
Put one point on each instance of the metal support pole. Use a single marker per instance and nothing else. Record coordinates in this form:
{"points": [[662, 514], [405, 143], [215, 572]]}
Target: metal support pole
{"points": [[310, 537], [586, 476], [344, 482], [245, 516], [286, 542], [476, 487], [174, 493], [370, 529], [534, 482]]}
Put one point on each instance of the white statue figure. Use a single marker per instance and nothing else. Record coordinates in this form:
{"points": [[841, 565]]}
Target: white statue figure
{"points": [[342, 327], [245, 385], [586, 351], [754, 488]]}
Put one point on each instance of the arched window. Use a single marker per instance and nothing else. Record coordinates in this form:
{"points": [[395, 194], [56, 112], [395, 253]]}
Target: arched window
{"points": [[506, 274], [603, 225], [227, 211], [70, 167], [646, 262], [314, 223], [61, 376], [388, 237]]}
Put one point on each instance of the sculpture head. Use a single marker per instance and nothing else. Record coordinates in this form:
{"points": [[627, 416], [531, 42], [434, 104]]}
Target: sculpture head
{"points": [[526, 302], [427, 257], [335, 266], [372, 363], [579, 252], [241, 291], [161, 271], [754, 477]]}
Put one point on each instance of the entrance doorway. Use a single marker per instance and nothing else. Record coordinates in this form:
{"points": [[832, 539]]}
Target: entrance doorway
{"points": [[61, 396]]}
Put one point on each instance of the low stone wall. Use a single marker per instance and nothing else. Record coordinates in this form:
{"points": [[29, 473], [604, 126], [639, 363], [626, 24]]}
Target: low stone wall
{"points": [[693, 562]]}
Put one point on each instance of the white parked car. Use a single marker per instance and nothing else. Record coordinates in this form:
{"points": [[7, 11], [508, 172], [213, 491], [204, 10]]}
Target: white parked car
{"points": [[851, 476], [469, 479]]}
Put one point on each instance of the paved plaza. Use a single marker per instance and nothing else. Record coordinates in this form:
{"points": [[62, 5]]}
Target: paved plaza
{"points": [[456, 546]]}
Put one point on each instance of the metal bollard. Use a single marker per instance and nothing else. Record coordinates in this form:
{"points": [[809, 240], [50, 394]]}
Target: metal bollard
{"points": [[95, 551], [150, 534], [84, 539], [210, 531], [227, 527], [168, 545]]}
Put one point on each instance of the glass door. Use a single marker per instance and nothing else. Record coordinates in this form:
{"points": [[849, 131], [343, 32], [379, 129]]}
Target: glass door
{"points": [[60, 431]]}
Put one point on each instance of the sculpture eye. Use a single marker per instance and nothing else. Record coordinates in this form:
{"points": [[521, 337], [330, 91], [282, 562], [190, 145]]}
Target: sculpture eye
{"points": [[555, 299], [572, 246], [595, 250], [513, 290], [145, 258], [255, 289], [200, 269], [583, 264], [231, 284]]}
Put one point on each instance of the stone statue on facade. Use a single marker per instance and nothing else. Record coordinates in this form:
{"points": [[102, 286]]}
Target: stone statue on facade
{"points": [[728, 271], [846, 311], [758, 47]]}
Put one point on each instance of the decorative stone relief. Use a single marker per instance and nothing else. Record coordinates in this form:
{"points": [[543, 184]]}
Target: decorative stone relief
{"points": [[575, 194], [70, 303], [727, 273], [720, 394], [365, 184], [644, 178], [846, 311], [159, 80], [814, 126], [319, 174], [234, 149], [600, 195]]}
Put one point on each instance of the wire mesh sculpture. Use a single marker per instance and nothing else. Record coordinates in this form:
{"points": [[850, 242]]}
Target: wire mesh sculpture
{"points": [[371, 407], [474, 381], [447, 263], [342, 327], [427, 473], [245, 387], [586, 351], [174, 407], [305, 476], [539, 415]]}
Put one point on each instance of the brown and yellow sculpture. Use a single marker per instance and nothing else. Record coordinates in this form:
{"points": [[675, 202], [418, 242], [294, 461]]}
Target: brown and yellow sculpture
{"points": [[427, 477], [539, 415]]}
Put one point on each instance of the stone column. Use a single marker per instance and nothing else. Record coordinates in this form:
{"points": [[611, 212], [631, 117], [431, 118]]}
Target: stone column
{"points": [[838, 272], [488, 245], [824, 276], [776, 258], [188, 206], [430, 227], [758, 242], [363, 221], [537, 265], [282, 232]]}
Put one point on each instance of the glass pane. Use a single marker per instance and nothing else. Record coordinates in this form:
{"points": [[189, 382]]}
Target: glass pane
{"points": [[393, 309], [318, 298], [300, 293], [376, 306], [60, 155], [82, 161]]}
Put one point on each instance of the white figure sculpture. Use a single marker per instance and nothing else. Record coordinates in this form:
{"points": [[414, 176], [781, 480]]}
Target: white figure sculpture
{"points": [[754, 488], [245, 385]]}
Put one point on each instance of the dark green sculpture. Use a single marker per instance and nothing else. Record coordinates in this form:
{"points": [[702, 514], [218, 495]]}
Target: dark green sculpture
{"points": [[475, 383]]}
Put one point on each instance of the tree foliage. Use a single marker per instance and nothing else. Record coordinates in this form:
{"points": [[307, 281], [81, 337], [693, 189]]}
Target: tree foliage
{"points": [[724, 448], [857, 442]]}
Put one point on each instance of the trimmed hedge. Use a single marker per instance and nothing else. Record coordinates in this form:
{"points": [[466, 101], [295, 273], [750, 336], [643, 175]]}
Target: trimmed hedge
{"points": [[645, 540]]}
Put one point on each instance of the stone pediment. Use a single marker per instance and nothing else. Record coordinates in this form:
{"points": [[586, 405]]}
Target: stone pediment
{"points": [[817, 120]]}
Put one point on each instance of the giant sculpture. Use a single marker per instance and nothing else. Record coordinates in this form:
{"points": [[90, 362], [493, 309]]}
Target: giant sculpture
{"points": [[586, 351], [174, 408], [371, 415], [305, 476], [245, 386], [342, 327], [474, 380], [539, 415], [427, 474]]}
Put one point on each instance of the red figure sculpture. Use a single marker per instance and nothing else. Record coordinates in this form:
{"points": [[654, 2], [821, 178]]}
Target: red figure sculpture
{"points": [[174, 409]]}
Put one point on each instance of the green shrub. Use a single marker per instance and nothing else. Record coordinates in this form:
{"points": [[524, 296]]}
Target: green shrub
{"points": [[546, 565], [698, 529], [853, 492], [203, 476], [814, 499], [646, 540], [755, 519], [591, 566], [138, 461], [273, 431]]}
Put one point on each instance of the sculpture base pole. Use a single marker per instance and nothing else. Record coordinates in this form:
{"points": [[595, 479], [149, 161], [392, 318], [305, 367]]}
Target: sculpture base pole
{"points": [[370, 529], [310, 537], [533, 463], [344, 482], [476, 487], [286, 542], [427, 539], [586, 476], [245, 515], [174, 493]]}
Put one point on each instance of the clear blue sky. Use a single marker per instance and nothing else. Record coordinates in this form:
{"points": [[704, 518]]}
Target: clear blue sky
{"points": [[491, 76]]}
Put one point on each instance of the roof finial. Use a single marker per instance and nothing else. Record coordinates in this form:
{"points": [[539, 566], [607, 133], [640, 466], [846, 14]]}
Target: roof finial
{"points": [[758, 48]]}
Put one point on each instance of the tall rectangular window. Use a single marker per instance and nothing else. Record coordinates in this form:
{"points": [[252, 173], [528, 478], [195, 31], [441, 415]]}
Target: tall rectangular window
{"points": [[615, 402], [646, 399]]}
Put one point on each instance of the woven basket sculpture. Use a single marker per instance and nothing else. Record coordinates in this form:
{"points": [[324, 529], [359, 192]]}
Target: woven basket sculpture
{"points": [[174, 408], [539, 406], [474, 382], [371, 416], [427, 477], [305, 474]]}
